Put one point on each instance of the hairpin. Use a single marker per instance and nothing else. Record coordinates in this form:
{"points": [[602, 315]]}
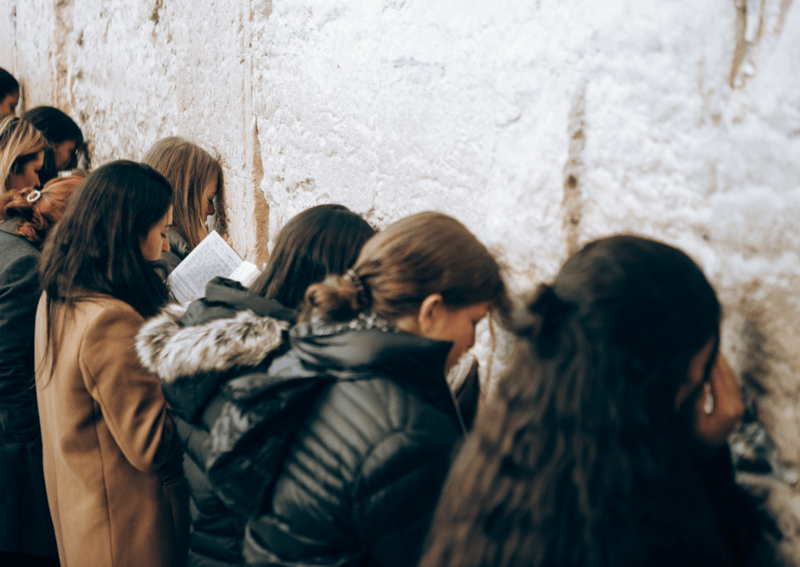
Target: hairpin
{"points": [[34, 196]]}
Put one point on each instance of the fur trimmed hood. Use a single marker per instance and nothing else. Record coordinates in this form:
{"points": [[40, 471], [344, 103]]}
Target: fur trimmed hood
{"points": [[173, 351]]}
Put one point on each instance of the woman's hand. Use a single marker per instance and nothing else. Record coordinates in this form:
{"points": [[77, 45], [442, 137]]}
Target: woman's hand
{"points": [[714, 421]]}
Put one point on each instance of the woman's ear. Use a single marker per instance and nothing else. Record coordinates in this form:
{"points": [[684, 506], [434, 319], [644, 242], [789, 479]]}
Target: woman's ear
{"points": [[429, 312]]}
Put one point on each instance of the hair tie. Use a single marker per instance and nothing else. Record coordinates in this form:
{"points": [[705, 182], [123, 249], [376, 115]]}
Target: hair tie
{"points": [[34, 196]]}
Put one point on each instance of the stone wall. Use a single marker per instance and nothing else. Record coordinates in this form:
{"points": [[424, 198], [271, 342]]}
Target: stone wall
{"points": [[541, 124]]}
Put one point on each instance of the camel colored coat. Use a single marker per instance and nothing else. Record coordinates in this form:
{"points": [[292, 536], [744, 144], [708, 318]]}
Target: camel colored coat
{"points": [[112, 462]]}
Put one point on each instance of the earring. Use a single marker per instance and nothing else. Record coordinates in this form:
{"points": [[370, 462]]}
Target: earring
{"points": [[708, 404]]}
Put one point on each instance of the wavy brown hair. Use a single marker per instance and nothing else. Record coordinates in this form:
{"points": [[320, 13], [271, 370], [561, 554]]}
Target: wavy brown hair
{"points": [[398, 268], [582, 459], [37, 217], [190, 169], [322, 240]]}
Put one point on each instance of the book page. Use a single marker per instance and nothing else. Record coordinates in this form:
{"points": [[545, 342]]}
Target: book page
{"points": [[213, 257], [246, 273]]}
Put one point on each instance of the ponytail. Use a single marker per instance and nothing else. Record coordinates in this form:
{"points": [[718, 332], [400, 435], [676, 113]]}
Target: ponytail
{"points": [[38, 211], [398, 268], [541, 321]]}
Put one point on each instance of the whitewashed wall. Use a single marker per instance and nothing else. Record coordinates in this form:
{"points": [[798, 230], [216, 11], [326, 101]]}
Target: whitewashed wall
{"points": [[540, 123]]}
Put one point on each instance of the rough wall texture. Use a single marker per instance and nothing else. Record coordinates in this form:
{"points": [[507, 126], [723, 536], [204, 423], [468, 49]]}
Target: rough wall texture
{"points": [[540, 124]]}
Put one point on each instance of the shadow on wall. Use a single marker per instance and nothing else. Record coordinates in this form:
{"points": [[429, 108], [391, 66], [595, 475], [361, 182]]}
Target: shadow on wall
{"points": [[756, 458], [753, 450]]}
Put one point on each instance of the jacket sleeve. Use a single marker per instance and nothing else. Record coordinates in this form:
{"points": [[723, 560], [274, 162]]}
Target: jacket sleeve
{"points": [[396, 494], [131, 400], [19, 295]]}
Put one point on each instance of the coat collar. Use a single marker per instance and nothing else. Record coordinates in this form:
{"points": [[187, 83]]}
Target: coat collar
{"points": [[228, 328], [225, 298], [177, 244], [369, 346]]}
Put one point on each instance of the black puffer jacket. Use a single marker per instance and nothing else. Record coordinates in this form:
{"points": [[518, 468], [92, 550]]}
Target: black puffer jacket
{"points": [[362, 477], [336, 450], [195, 352]]}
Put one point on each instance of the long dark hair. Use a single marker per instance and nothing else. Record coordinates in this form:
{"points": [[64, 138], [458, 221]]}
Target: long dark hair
{"points": [[57, 127], [8, 84], [582, 456], [96, 247], [322, 240], [398, 268]]}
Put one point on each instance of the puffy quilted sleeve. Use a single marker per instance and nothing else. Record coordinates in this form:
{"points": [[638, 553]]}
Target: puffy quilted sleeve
{"points": [[397, 492]]}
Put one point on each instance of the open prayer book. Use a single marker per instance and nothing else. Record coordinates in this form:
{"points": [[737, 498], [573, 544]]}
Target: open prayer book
{"points": [[213, 257]]}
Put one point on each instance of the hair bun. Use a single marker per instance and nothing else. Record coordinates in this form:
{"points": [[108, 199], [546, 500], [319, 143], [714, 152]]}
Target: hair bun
{"points": [[541, 320], [340, 297], [547, 303]]}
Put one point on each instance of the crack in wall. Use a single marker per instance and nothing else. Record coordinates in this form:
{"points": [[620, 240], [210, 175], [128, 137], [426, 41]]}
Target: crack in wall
{"points": [[155, 16], [755, 21], [740, 48], [261, 208], [261, 212], [786, 5], [574, 169], [12, 19], [62, 87], [751, 27]]}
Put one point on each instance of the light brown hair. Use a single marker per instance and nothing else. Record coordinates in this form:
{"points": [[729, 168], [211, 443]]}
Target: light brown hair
{"points": [[37, 217], [413, 258], [189, 169], [19, 144]]}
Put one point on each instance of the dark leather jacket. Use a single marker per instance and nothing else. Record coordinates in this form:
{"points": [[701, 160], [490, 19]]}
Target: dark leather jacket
{"points": [[334, 450]]}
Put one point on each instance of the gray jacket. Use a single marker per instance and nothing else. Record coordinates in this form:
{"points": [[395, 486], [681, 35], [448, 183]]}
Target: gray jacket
{"points": [[25, 524], [178, 250]]}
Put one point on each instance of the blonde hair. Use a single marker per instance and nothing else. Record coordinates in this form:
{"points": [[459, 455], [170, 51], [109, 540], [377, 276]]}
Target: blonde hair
{"points": [[189, 169], [19, 143]]}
